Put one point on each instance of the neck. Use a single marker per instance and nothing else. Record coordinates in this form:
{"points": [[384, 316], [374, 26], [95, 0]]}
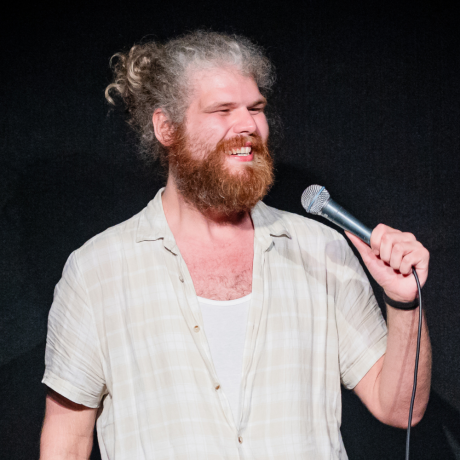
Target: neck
{"points": [[183, 218]]}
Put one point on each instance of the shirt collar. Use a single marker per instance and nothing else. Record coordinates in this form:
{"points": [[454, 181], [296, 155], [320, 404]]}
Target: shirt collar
{"points": [[153, 225], [268, 224]]}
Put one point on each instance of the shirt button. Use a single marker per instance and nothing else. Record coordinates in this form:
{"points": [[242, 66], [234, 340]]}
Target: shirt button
{"points": [[217, 386], [196, 328], [181, 279], [240, 439]]}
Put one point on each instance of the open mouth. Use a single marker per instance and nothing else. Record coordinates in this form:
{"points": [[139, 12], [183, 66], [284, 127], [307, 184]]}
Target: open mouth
{"points": [[241, 152]]}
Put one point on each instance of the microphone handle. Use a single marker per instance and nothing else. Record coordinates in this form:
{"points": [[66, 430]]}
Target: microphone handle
{"points": [[335, 213]]}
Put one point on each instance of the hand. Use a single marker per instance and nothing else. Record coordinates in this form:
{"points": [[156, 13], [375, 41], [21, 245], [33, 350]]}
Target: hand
{"points": [[390, 259]]}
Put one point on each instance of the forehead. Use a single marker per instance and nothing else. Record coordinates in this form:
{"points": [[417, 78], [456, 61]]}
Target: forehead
{"points": [[222, 84]]}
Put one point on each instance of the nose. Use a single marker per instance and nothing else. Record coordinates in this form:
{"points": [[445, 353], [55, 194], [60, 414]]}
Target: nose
{"points": [[244, 123]]}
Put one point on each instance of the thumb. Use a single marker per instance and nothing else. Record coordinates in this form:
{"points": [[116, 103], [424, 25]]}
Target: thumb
{"points": [[361, 246]]}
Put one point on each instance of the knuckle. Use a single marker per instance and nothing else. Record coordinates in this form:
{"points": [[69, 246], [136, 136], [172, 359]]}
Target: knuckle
{"points": [[376, 231], [409, 236]]}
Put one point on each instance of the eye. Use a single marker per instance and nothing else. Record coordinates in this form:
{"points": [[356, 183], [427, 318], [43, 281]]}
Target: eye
{"points": [[256, 110]]}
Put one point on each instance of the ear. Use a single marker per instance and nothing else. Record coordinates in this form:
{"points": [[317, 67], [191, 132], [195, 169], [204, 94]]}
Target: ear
{"points": [[163, 128]]}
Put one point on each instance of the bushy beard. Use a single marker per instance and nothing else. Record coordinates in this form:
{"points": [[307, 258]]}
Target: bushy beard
{"points": [[204, 180]]}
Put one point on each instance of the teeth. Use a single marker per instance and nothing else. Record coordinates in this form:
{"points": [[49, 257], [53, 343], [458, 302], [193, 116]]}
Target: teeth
{"points": [[242, 151]]}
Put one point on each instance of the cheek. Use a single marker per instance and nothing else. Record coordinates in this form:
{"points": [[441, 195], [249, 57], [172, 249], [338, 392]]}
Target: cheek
{"points": [[212, 130], [262, 127], [204, 139]]}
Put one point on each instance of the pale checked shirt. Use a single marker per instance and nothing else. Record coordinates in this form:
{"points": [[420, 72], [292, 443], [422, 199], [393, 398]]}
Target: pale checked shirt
{"points": [[125, 332]]}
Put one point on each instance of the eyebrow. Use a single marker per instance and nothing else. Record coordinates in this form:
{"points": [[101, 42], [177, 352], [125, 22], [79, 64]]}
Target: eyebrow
{"points": [[219, 105]]}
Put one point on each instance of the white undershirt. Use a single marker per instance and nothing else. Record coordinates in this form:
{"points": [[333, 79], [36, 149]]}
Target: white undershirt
{"points": [[225, 328]]}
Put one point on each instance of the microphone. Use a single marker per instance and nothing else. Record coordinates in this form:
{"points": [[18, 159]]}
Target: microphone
{"points": [[316, 200]]}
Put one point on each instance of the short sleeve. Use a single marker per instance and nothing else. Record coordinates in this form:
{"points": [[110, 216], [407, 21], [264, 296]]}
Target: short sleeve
{"points": [[73, 365], [361, 328]]}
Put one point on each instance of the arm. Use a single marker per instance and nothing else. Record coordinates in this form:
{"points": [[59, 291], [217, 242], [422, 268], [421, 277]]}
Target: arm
{"points": [[387, 388], [67, 432]]}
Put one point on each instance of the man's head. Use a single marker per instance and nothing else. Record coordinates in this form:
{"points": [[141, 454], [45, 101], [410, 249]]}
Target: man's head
{"points": [[198, 102]]}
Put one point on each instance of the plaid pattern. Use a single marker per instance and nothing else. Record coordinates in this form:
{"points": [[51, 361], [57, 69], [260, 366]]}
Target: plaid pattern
{"points": [[122, 333]]}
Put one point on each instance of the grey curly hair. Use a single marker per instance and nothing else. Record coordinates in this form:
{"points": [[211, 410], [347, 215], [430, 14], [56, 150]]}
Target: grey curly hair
{"points": [[152, 75]]}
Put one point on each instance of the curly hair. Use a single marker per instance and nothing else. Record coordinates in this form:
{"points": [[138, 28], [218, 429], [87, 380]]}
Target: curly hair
{"points": [[152, 75]]}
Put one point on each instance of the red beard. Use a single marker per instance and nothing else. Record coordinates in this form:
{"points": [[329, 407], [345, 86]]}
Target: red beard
{"points": [[208, 185]]}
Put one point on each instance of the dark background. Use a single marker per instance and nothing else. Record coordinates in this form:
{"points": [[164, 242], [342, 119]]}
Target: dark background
{"points": [[369, 96]]}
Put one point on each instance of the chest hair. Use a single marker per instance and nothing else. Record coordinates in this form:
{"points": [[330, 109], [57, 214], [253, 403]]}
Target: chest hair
{"points": [[223, 273]]}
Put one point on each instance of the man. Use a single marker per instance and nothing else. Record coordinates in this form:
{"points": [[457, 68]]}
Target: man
{"points": [[210, 326]]}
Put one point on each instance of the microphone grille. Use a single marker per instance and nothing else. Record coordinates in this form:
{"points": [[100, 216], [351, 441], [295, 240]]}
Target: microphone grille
{"points": [[314, 198]]}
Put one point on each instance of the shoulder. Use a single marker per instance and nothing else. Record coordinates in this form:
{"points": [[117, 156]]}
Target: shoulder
{"points": [[113, 237], [301, 227], [310, 239], [105, 248]]}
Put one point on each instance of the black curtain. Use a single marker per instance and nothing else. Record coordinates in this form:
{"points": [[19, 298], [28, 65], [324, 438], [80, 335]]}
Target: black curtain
{"points": [[369, 96]]}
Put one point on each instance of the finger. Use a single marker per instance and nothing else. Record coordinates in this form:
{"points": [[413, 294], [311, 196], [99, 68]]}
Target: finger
{"points": [[410, 259], [417, 258], [377, 235], [391, 238], [407, 263], [364, 250], [398, 251]]}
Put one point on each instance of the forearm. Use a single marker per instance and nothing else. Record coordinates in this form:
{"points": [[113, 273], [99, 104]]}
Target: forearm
{"points": [[395, 381]]}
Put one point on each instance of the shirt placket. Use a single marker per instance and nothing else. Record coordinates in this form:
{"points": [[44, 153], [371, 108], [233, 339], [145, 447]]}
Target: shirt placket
{"points": [[185, 291], [262, 243]]}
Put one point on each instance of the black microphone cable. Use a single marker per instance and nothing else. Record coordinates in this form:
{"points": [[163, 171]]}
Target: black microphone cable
{"points": [[417, 356]]}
